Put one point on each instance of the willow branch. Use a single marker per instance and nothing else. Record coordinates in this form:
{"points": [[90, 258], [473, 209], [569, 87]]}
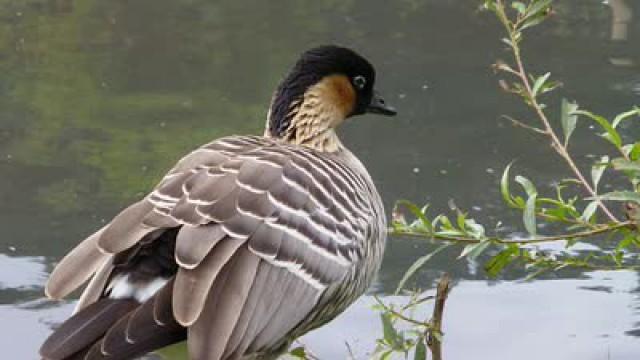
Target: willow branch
{"points": [[539, 239], [557, 145]]}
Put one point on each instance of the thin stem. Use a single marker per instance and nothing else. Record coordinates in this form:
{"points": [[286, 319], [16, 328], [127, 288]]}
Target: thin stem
{"points": [[402, 316], [540, 239], [525, 126]]}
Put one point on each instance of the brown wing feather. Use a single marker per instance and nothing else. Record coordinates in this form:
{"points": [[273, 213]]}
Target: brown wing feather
{"points": [[82, 329], [192, 285], [138, 332], [126, 229], [76, 267], [194, 243], [209, 335], [96, 286]]}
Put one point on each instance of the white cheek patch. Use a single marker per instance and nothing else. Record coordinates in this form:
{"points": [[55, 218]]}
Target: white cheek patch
{"points": [[122, 288]]}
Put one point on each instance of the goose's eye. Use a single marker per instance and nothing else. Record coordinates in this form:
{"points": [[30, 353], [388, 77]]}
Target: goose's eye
{"points": [[359, 82]]}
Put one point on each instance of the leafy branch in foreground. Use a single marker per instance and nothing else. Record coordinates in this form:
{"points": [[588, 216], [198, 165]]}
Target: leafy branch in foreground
{"points": [[575, 205]]}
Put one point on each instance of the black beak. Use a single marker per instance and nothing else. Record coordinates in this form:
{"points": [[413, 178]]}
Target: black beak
{"points": [[379, 106]]}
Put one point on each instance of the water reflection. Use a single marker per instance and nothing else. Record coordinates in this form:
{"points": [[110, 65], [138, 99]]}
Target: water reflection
{"points": [[98, 99], [479, 324], [621, 18]]}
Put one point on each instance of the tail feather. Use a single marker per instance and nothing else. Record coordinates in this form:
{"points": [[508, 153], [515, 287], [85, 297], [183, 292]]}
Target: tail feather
{"points": [[140, 331], [84, 328], [116, 329]]}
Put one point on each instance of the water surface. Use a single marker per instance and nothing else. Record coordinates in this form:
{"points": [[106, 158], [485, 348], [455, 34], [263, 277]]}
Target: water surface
{"points": [[99, 99]]}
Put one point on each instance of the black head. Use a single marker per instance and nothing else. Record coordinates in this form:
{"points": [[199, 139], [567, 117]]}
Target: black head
{"points": [[355, 91]]}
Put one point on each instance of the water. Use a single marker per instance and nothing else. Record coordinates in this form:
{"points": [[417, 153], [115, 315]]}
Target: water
{"points": [[99, 99]]}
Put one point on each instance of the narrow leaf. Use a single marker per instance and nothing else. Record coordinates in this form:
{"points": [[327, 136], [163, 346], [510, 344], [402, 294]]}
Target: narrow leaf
{"points": [[610, 133], [519, 6], [532, 21], [473, 251], [540, 81], [625, 165], [421, 350], [418, 213], [568, 119], [299, 353], [527, 185], [529, 215], [621, 196], [540, 7], [502, 259], [389, 332], [598, 169], [417, 265], [504, 186], [589, 211], [535, 274], [625, 115]]}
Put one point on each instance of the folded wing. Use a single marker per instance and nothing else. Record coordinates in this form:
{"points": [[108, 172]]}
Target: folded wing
{"points": [[264, 231]]}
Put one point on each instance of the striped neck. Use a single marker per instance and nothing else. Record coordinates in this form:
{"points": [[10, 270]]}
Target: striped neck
{"points": [[311, 119]]}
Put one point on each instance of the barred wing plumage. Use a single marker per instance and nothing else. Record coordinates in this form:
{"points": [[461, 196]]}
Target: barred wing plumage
{"points": [[267, 232]]}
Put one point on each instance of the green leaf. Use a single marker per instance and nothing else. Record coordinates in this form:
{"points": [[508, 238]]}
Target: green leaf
{"points": [[610, 133], [621, 196], [625, 242], [501, 259], [532, 21], [472, 251], [504, 187], [625, 115], [490, 5], [390, 333], [535, 274], [625, 165], [539, 8], [634, 154], [536, 13], [528, 186], [568, 119], [540, 81], [474, 229], [417, 265], [529, 215], [299, 353], [418, 213], [519, 6], [386, 355], [598, 169], [589, 210], [421, 350]]}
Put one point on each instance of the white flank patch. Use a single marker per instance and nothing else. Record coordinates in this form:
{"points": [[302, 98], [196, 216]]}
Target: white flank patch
{"points": [[122, 288]]}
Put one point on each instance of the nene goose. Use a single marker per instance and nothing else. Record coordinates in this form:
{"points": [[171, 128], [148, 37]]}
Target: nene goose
{"points": [[246, 244]]}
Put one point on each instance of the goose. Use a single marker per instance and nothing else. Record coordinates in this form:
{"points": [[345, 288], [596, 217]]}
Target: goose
{"points": [[247, 243]]}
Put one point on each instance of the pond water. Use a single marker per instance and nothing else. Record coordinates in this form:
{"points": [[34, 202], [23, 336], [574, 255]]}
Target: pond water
{"points": [[98, 99]]}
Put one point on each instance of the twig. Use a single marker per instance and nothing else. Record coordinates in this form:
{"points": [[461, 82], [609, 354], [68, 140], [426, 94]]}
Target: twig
{"points": [[525, 126], [433, 335], [539, 239], [400, 315], [351, 354]]}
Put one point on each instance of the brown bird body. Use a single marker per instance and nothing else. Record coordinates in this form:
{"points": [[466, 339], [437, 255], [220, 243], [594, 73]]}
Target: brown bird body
{"points": [[246, 244]]}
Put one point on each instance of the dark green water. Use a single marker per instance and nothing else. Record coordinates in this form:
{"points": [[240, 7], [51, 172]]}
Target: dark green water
{"points": [[98, 99]]}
